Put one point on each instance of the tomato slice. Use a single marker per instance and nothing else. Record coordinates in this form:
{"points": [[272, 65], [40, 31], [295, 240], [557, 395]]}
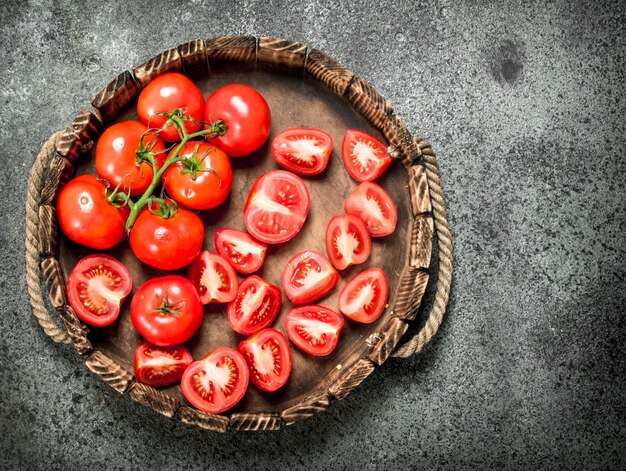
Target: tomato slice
{"points": [[217, 382], [304, 151], [347, 241], [269, 359], [364, 297], [314, 329], [245, 254], [96, 288], [364, 156], [256, 306], [308, 277], [277, 207], [160, 366], [374, 207], [214, 278]]}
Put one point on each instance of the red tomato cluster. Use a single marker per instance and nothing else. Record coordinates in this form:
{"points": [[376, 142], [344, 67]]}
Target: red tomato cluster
{"points": [[195, 173]]}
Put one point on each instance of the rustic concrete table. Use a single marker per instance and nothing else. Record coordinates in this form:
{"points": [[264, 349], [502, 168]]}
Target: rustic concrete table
{"points": [[526, 107]]}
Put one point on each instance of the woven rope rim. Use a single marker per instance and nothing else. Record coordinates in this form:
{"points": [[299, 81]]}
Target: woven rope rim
{"points": [[405, 350]]}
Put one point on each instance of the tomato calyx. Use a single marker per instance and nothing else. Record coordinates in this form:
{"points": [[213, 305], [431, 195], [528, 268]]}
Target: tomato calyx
{"points": [[165, 208], [193, 164], [115, 197], [166, 307]]}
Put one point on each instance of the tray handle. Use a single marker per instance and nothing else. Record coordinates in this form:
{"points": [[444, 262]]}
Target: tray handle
{"points": [[33, 269], [444, 243]]}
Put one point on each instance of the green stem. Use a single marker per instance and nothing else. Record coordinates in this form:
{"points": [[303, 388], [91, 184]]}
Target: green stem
{"points": [[158, 173]]}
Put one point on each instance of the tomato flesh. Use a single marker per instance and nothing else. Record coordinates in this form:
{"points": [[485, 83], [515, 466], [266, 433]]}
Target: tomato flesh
{"points": [[166, 310], [277, 207], [214, 278], [160, 366], [304, 151], [308, 276], [255, 307], [96, 288], [347, 241], [245, 254], [269, 359], [364, 156], [314, 329], [165, 93], [364, 297], [370, 203], [217, 382]]}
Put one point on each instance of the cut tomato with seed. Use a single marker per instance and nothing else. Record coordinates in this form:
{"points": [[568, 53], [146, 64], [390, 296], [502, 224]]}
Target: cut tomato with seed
{"points": [[256, 306], [245, 254], [347, 241], [304, 151], [269, 359], [160, 366], [277, 207], [314, 329], [364, 156], [370, 203], [308, 277], [364, 297], [217, 382], [214, 278], [96, 288]]}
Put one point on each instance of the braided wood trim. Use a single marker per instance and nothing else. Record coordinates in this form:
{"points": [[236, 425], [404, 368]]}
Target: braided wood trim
{"points": [[253, 421], [115, 96], [351, 378], [231, 49], [397, 134], [290, 54], [307, 408], [329, 72], [60, 171], [418, 190], [112, 373], [154, 399], [48, 232], [76, 329], [55, 281], [421, 241], [191, 416], [410, 293], [369, 102], [384, 343], [193, 56], [80, 136], [167, 61]]}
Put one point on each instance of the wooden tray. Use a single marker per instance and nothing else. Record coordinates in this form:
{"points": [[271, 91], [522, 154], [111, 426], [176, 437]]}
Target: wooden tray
{"points": [[309, 90]]}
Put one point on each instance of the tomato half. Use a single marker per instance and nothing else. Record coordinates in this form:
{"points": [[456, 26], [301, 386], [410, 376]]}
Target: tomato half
{"points": [[214, 278], [87, 218], [308, 277], [166, 93], [203, 180], [217, 382], [96, 288], [314, 329], [364, 297], [347, 241], [245, 254], [277, 207], [247, 117], [117, 154], [370, 203], [160, 366], [167, 243], [364, 156], [269, 359], [166, 310], [304, 151], [256, 306]]}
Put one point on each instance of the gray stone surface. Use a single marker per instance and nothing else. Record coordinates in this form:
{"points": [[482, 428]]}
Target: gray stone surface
{"points": [[525, 103]]}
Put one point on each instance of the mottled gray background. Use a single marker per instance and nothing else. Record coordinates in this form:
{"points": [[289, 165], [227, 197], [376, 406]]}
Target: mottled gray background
{"points": [[525, 106]]}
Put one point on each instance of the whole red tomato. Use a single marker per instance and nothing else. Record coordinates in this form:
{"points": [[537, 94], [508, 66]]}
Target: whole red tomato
{"points": [[166, 93], [166, 310], [202, 180], [117, 154], [169, 240], [87, 217], [247, 117]]}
